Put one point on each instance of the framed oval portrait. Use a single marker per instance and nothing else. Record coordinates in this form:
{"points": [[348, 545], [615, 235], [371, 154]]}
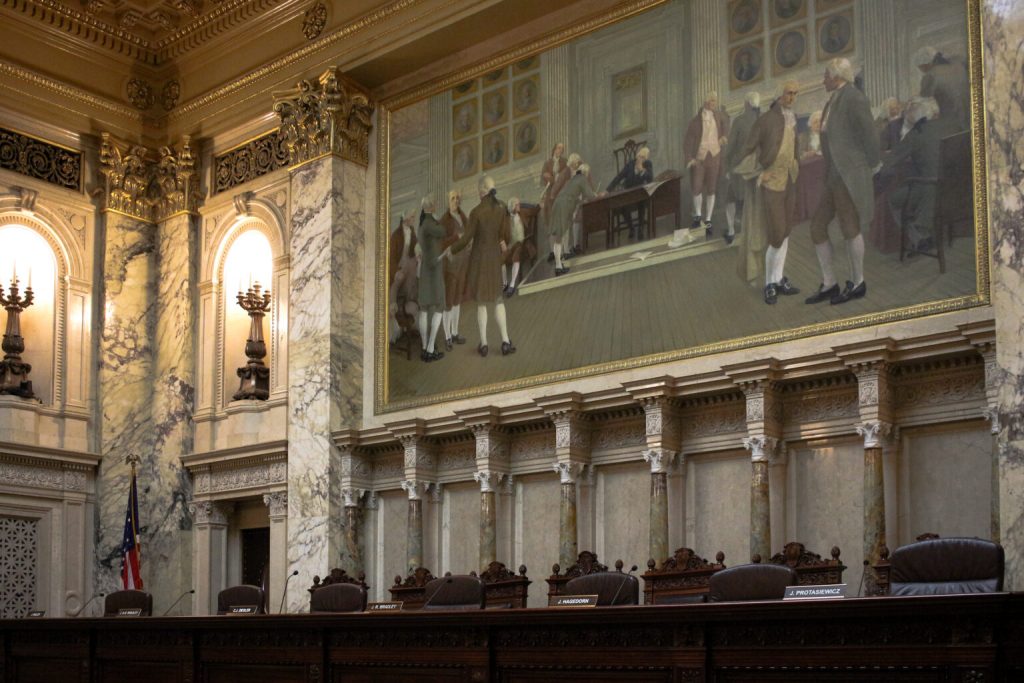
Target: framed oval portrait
{"points": [[789, 50], [744, 18], [495, 148], [787, 11], [463, 89], [835, 35], [746, 64], [492, 77], [495, 107], [524, 65], [464, 119], [526, 95], [526, 138], [464, 159]]}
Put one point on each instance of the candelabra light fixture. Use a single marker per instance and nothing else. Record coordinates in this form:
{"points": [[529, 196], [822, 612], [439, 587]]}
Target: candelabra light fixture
{"points": [[14, 371], [254, 376]]}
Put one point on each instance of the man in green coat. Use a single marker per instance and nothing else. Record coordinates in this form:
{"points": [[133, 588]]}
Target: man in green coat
{"points": [[429, 237], [489, 232], [847, 133]]}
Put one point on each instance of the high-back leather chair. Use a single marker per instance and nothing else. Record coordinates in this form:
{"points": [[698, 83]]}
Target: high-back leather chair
{"points": [[462, 591], [241, 595], [941, 566], [611, 588], [750, 582], [128, 599], [338, 597]]}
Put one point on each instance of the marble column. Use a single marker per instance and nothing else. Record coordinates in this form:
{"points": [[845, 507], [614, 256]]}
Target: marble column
{"points": [[325, 123], [488, 516], [209, 553], [875, 432], [761, 448], [352, 498], [414, 524], [277, 509], [706, 54], [660, 461], [567, 546]]}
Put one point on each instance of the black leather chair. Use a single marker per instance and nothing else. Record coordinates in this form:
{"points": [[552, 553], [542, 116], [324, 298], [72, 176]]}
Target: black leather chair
{"points": [[750, 582], [338, 597], [238, 596], [942, 566], [611, 588], [461, 592], [128, 599]]}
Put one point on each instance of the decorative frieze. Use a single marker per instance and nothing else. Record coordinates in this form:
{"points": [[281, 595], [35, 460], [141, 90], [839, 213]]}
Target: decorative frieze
{"points": [[239, 476], [59, 478], [41, 160], [328, 116], [252, 160]]}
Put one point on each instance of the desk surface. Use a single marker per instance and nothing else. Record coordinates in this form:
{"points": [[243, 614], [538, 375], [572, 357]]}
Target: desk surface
{"points": [[949, 638]]}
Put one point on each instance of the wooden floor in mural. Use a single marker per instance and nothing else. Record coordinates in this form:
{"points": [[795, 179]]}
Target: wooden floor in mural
{"points": [[694, 301]]}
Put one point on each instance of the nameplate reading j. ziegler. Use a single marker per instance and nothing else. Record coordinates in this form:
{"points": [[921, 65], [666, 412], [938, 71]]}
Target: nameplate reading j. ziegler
{"points": [[129, 612], [243, 609], [575, 601], [387, 606], [815, 592]]}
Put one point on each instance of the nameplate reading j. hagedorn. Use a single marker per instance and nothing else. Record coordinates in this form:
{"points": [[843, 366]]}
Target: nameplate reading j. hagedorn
{"points": [[385, 606], [815, 592], [243, 609], [575, 601]]}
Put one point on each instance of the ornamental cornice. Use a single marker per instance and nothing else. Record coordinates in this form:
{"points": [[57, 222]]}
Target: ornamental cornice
{"points": [[331, 115]]}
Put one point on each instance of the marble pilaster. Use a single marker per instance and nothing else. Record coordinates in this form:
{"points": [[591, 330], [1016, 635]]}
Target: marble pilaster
{"points": [[875, 433], [568, 548], [572, 453], [277, 511], [414, 523], [761, 450], [326, 124], [1003, 28], [492, 463], [982, 337], [488, 516], [356, 481], [209, 553], [660, 461]]}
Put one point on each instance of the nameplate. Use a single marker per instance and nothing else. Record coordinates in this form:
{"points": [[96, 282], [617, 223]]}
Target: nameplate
{"points": [[129, 612], [575, 601], [815, 592], [36, 614], [243, 609], [387, 606]]}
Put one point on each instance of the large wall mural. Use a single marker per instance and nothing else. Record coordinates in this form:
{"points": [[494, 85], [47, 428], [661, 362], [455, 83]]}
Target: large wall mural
{"points": [[677, 179]]}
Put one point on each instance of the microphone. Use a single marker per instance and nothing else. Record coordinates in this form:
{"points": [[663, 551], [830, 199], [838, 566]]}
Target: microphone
{"points": [[175, 603], [87, 603], [436, 591], [284, 591], [621, 584]]}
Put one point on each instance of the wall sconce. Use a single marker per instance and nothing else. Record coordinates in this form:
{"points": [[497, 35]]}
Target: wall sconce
{"points": [[254, 376], [14, 371]]}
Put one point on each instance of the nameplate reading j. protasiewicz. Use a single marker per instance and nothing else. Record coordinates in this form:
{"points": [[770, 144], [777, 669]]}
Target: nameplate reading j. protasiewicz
{"points": [[815, 592]]}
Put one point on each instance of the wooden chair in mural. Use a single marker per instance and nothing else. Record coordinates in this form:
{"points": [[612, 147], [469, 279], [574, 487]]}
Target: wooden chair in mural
{"points": [[630, 217], [810, 568], [679, 579]]}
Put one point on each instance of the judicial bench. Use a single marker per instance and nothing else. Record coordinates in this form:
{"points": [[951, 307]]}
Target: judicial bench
{"points": [[956, 638]]}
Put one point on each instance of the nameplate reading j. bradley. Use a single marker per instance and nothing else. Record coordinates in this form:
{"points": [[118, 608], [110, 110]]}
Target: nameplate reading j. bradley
{"points": [[242, 609], [386, 606], [575, 601], [815, 592], [129, 612]]}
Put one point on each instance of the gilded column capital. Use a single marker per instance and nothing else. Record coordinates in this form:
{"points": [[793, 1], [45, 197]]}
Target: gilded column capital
{"points": [[127, 171], [329, 115], [177, 180]]}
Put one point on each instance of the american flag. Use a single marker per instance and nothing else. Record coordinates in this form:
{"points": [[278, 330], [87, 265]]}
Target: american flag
{"points": [[130, 552]]}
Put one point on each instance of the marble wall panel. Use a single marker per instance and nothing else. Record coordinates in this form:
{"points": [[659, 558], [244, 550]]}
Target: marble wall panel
{"points": [[1004, 62], [947, 473], [391, 540], [719, 486], [825, 505], [537, 531], [461, 529], [623, 514]]}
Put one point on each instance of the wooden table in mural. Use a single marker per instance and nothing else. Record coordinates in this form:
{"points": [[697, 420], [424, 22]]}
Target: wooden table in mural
{"points": [[660, 198], [931, 638]]}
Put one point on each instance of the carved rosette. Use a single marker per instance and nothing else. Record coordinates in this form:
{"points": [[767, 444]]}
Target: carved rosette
{"points": [[314, 20], [177, 180], [762, 448], [875, 432], [209, 512], [328, 116], [277, 502]]}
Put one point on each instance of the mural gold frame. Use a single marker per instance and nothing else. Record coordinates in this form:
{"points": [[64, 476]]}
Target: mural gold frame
{"points": [[979, 164]]}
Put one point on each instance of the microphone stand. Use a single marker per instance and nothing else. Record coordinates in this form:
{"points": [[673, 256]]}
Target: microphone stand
{"points": [[436, 591], [175, 603], [284, 591], [863, 577], [621, 584], [87, 603]]}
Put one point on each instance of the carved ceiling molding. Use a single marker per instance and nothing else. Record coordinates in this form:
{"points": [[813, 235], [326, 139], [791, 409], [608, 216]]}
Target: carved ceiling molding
{"points": [[330, 115], [68, 91]]}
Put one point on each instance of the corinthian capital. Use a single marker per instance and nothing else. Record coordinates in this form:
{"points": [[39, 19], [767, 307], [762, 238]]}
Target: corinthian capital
{"points": [[177, 180], [330, 115], [127, 174]]}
